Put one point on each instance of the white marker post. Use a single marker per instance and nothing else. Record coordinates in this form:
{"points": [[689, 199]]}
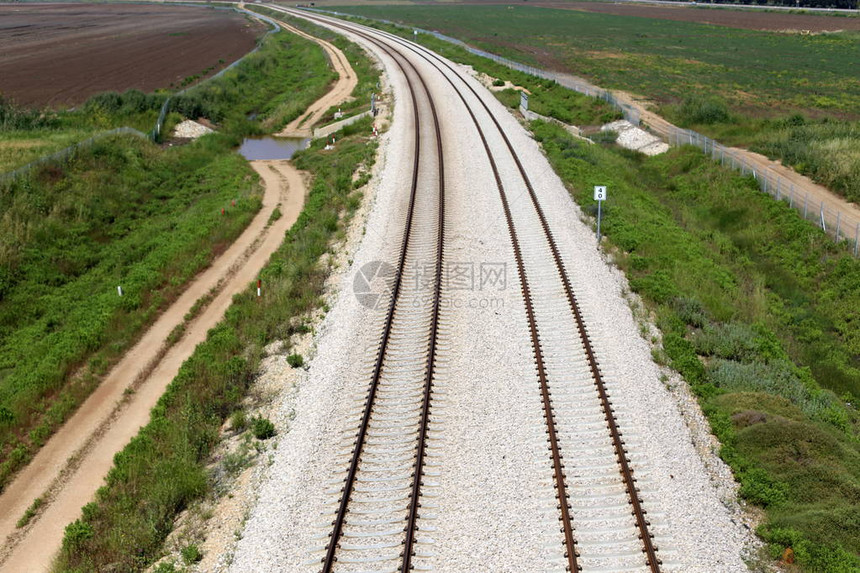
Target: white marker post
{"points": [[600, 197], [119, 290]]}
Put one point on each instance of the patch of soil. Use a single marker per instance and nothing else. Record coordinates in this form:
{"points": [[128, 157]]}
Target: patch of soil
{"points": [[60, 54]]}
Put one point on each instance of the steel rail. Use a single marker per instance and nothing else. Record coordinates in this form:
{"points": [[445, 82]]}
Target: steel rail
{"points": [[558, 465], [624, 465], [330, 557]]}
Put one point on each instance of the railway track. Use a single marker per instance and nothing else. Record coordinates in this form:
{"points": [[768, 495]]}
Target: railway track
{"points": [[602, 521], [383, 482]]}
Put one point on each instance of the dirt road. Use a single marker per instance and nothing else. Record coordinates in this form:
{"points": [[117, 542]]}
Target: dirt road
{"points": [[342, 90], [110, 418], [69, 469]]}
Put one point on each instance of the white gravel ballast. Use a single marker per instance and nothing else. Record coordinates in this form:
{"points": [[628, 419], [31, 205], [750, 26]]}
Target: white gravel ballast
{"points": [[489, 503]]}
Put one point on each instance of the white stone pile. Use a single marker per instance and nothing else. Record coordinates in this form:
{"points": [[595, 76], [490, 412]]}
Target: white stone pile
{"points": [[632, 137]]}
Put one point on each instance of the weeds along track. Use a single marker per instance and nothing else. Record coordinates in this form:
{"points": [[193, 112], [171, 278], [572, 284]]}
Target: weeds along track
{"points": [[601, 516]]}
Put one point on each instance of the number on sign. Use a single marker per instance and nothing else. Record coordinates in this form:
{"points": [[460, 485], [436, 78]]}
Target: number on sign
{"points": [[600, 192]]}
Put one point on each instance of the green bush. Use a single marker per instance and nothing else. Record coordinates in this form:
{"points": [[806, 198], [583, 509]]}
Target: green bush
{"points": [[758, 487], [295, 360], [262, 428], [14, 118], [238, 420], [191, 554], [699, 110], [76, 534]]}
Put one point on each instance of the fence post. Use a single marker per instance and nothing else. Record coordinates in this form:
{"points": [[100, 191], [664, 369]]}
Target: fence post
{"points": [[838, 223], [821, 213], [856, 239]]}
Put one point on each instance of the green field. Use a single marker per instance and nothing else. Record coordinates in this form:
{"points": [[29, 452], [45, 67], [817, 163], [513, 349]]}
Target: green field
{"points": [[125, 212], [764, 84]]}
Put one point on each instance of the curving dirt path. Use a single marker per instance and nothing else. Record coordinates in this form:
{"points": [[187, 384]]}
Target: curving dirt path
{"points": [[72, 464], [341, 92]]}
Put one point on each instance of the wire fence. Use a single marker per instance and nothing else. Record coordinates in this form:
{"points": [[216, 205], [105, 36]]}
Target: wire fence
{"points": [[842, 224], [67, 153]]}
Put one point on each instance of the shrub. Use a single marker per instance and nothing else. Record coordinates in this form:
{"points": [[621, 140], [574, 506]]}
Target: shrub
{"points": [[262, 428], [77, 533], [690, 310], [295, 360], [238, 420], [779, 378], [703, 110], [604, 136], [191, 554], [734, 340], [758, 487]]}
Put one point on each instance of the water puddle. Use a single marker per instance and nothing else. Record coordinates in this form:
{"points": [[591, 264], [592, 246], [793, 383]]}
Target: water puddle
{"points": [[272, 147]]}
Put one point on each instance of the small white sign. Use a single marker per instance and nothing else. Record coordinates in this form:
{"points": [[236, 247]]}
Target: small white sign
{"points": [[600, 192]]}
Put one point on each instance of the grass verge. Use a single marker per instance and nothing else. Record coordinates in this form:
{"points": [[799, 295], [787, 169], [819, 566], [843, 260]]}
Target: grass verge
{"points": [[365, 69], [757, 310]]}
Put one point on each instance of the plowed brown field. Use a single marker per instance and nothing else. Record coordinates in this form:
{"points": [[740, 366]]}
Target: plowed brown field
{"points": [[60, 54]]}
